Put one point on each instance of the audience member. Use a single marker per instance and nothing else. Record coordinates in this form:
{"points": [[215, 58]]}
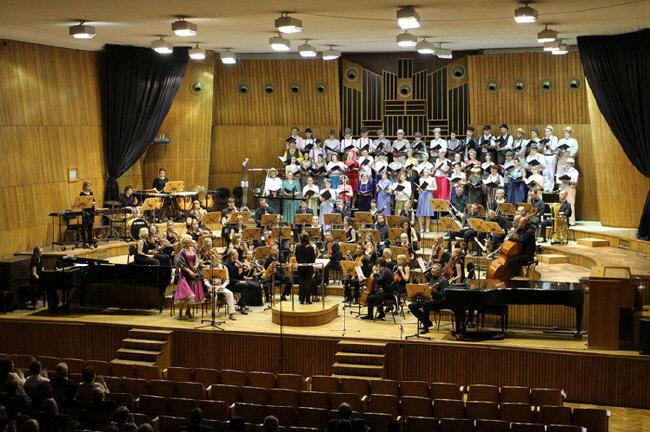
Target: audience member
{"points": [[196, 417], [63, 388], [89, 383], [237, 424], [270, 424], [52, 421], [30, 425]]}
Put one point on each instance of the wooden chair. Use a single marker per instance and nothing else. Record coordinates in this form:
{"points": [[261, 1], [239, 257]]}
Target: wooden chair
{"points": [[483, 393], [181, 374], [384, 386], [527, 427], [515, 394], [384, 404], [215, 410], [456, 425], [481, 410], [181, 407], [446, 391], [120, 399], [353, 399], [290, 381], [153, 406], [164, 388], [378, 421], [171, 424], [75, 365], [135, 386], [190, 390], [324, 383], [565, 428], [315, 399], [113, 383], [420, 424], [286, 415], [149, 372], [23, 361], [594, 419], [515, 412], [139, 418], [414, 388], [547, 415], [355, 385], [101, 367], [205, 376], [545, 396], [284, 397], [483, 425], [125, 370], [312, 417], [415, 406], [448, 408], [254, 395], [49, 363], [232, 377], [224, 392], [261, 379], [252, 413]]}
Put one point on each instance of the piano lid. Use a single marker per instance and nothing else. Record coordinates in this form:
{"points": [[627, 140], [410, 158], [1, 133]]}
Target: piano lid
{"points": [[495, 284]]}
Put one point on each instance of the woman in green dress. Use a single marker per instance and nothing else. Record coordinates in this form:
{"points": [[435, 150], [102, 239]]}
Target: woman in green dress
{"points": [[291, 191]]}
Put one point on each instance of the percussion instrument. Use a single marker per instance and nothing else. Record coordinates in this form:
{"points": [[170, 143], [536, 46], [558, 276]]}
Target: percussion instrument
{"points": [[184, 200], [133, 227]]}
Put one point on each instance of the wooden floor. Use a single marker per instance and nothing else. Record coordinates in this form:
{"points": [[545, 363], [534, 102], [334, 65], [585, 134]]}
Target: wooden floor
{"points": [[623, 419]]}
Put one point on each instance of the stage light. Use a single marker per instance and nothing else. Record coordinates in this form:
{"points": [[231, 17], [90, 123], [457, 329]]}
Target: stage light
{"points": [[161, 46], [444, 53], [307, 51], [228, 57], [546, 35], [82, 31], [525, 14], [408, 18], [406, 39], [331, 54], [278, 43], [552, 46], [561, 50], [197, 53], [425, 47], [287, 24], [183, 28]]}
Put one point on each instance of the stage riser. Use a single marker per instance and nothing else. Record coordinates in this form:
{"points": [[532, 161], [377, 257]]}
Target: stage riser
{"points": [[630, 244], [588, 378]]}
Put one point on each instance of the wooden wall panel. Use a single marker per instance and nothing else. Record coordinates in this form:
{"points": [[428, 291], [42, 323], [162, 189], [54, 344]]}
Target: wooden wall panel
{"points": [[50, 121], [188, 125], [621, 187]]}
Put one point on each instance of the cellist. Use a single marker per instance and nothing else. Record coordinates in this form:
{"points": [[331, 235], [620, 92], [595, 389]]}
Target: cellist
{"points": [[382, 289], [525, 236]]}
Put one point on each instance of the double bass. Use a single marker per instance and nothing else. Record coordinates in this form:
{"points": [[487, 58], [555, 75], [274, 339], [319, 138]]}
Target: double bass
{"points": [[500, 266]]}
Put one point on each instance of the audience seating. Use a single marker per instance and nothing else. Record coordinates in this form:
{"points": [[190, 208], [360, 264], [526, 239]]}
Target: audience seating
{"points": [[315, 399], [416, 406], [554, 415], [385, 404], [448, 408], [256, 395], [124, 370], [324, 383], [378, 421], [232, 377], [178, 374], [446, 391], [565, 428], [215, 410], [224, 392], [170, 424], [135, 386], [163, 388], [476, 410], [358, 386], [515, 394], [594, 419], [206, 376], [384, 386], [113, 383], [181, 407], [153, 406], [284, 397], [22, 361], [49, 363], [101, 367], [75, 365], [414, 388], [456, 425], [483, 393], [147, 372], [484, 425], [527, 427], [191, 390], [353, 399], [125, 399], [262, 379], [312, 417], [516, 412], [544, 396], [290, 381]]}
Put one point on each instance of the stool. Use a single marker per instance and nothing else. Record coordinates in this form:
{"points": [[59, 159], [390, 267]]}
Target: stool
{"points": [[437, 317], [498, 310]]}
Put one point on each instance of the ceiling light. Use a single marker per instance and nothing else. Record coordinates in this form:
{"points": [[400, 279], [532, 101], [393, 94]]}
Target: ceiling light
{"points": [[525, 14], [197, 53], [561, 50], [306, 50], [183, 28], [444, 53], [161, 46], [228, 57], [552, 46], [408, 18], [406, 39], [278, 43], [425, 47], [82, 31], [546, 35], [331, 54], [287, 24]]}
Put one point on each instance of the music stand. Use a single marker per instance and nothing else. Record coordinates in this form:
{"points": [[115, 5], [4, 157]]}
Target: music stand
{"points": [[376, 237], [261, 252], [439, 206], [233, 216], [313, 232], [251, 234], [303, 219], [269, 220], [507, 209], [333, 219], [349, 269], [84, 202], [347, 249], [213, 218], [213, 275], [449, 224], [394, 235], [363, 218], [152, 204], [418, 292], [395, 220], [399, 250], [174, 186], [339, 235]]}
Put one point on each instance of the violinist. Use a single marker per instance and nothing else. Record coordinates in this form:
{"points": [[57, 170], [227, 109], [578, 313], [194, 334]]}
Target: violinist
{"points": [[237, 283], [467, 233], [332, 251], [239, 245], [225, 219], [411, 233], [273, 273], [387, 254], [206, 250], [402, 274], [197, 211], [383, 289], [351, 285], [382, 227], [251, 271], [171, 234], [238, 228], [404, 243], [422, 308], [524, 234], [195, 231], [503, 222], [158, 243]]}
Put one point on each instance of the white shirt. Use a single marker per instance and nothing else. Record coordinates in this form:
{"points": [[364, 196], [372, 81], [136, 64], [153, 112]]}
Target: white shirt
{"points": [[401, 145], [386, 148], [348, 144], [550, 146], [539, 158], [363, 142], [272, 184], [332, 165], [432, 182], [442, 167], [300, 142], [404, 194], [496, 178], [573, 146], [574, 174], [333, 145], [424, 165], [441, 142], [311, 188]]}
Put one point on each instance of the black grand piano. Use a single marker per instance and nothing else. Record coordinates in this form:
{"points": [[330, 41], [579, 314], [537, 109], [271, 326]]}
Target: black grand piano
{"points": [[476, 295], [100, 283]]}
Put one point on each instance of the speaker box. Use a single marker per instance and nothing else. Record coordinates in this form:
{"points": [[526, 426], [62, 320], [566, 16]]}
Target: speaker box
{"points": [[644, 336]]}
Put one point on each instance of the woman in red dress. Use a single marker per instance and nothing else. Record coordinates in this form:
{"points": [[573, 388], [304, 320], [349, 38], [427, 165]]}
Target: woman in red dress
{"points": [[352, 172]]}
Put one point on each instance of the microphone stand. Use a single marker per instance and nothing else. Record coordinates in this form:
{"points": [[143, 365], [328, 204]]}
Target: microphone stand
{"points": [[213, 321]]}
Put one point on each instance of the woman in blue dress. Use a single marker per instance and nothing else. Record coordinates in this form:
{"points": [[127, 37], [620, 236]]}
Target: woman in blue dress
{"points": [[426, 186], [517, 187], [364, 192], [383, 195], [291, 191]]}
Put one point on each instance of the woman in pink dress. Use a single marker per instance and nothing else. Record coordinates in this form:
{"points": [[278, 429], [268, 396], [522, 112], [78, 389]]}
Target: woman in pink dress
{"points": [[189, 289], [442, 167]]}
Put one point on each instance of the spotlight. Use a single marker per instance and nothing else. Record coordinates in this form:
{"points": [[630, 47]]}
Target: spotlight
{"points": [[228, 57], [307, 51], [161, 46], [408, 18], [525, 14], [546, 35], [287, 24], [552, 46], [183, 28], [278, 43], [82, 31], [444, 53], [331, 54], [197, 53], [425, 47], [561, 50], [406, 39]]}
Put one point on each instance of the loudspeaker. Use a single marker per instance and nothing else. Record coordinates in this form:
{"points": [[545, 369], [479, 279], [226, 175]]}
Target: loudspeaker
{"points": [[644, 336]]}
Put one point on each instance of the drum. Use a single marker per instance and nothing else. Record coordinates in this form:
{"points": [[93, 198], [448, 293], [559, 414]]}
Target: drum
{"points": [[133, 227], [209, 200], [184, 200]]}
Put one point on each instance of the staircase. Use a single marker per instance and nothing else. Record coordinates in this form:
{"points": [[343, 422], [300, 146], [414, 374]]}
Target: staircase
{"points": [[149, 347], [360, 359]]}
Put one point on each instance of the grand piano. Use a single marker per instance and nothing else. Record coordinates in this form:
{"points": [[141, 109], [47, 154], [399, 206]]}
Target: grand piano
{"points": [[478, 294], [100, 283]]}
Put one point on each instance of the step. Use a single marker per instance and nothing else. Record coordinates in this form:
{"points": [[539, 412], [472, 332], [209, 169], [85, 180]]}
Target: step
{"points": [[152, 334], [144, 344], [134, 362], [359, 369], [360, 346], [553, 258], [593, 242], [141, 355], [367, 378], [360, 358]]}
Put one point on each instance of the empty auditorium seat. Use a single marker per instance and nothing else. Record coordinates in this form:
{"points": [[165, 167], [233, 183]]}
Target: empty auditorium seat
{"points": [[120, 399], [113, 383], [514, 394], [261, 379], [441, 390], [481, 410], [170, 424], [483, 393], [448, 408], [164, 388], [147, 372], [252, 413], [527, 427], [414, 388], [353, 399], [75, 365], [594, 419], [415, 406], [384, 404], [384, 386], [456, 425], [139, 418], [515, 412], [224, 392], [206, 376], [545, 396], [181, 374], [135, 386], [23, 361], [101, 367], [151, 405], [355, 385], [547, 415], [315, 399], [284, 397], [191, 390], [312, 417], [49, 363], [232, 377], [290, 381], [420, 424], [125, 370], [286, 415], [483, 425], [215, 410], [378, 421], [325, 383], [255, 395], [181, 407]]}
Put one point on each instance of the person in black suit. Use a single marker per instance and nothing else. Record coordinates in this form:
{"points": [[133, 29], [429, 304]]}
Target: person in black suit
{"points": [[196, 417], [160, 181], [263, 209], [333, 252], [383, 289], [565, 209], [345, 413], [237, 283], [525, 236], [305, 254], [422, 308], [277, 275], [87, 216]]}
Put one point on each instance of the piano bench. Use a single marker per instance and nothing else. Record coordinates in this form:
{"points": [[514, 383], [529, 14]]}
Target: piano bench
{"points": [[448, 313], [498, 310]]}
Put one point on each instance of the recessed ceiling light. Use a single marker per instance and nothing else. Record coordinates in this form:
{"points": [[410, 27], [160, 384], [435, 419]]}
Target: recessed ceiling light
{"points": [[546, 35], [184, 28], [197, 53], [408, 18], [161, 46], [331, 54], [228, 57], [444, 53], [288, 24], [552, 46], [561, 50], [525, 14], [406, 39], [306, 50], [425, 47], [82, 31], [278, 43]]}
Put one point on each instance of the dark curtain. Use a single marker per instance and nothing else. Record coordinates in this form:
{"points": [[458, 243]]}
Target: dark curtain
{"points": [[618, 70], [139, 86]]}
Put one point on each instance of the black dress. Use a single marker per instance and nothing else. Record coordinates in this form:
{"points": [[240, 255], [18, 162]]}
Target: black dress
{"points": [[305, 255], [159, 183], [87, 221]]}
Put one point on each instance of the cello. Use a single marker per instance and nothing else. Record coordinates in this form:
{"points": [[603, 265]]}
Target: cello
{"points": [[500, 266]]}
